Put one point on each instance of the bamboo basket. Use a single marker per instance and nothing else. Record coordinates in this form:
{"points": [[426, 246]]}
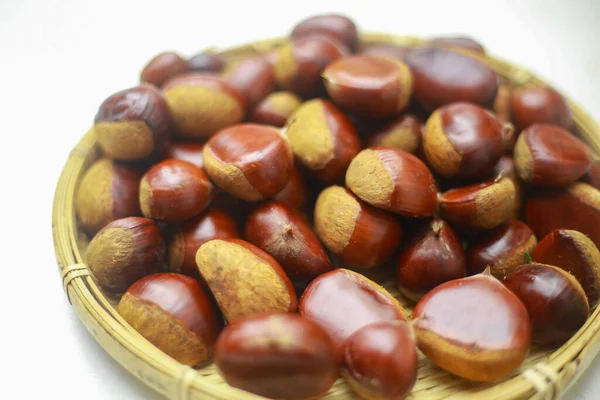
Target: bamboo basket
{"points": [[544, 375]]}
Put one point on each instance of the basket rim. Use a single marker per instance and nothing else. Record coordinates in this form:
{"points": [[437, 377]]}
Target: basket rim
{"points": [[551, 376]]}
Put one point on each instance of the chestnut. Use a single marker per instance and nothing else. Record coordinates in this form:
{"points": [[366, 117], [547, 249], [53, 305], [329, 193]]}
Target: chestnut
{"points": [[244, 279], [186, 151], [530, 106], [433, 256], [187, 238], [473, 327], [206, 62], [593, 175], [253, 78], [124, 251], [322, 139], [577, 207], [506, 167], [249, 161], [403, 133], [442, 76], [174, 190], [548, 155], [301, 61], [361, 235], [343, 301], [464, 141], [108, 191], [461, 42], [393, 180], [280, 356], [369, 86], [133, 124], [575, 253], [338, 27], [501, 249], [481, 206], [387, 50], [296, 193], [380, 360], [276, 108], [176, 314], [554, 299], [163, 67], [201, 105]]}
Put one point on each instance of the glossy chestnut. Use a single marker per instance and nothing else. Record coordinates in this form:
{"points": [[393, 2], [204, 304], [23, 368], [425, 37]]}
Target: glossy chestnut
{"points": [[206, 62], [186, 151], [464, 141], [249, 161], [506, 167], [393, 180], [575, 253], [163, 67], [133, 124], [539, 105], [548, 155], [370, 86], [301, 62], [554, 299], [460, 42], [501, 249], [280, 356], [441, 76], [176, 314], [124, 251], [336, 26], [403, 133], [108, 191], [285, 234], [245, 280], [479, 310], [343, 301], [296, 193], [481, 206], [387, 50], [434, 255], [187, 238], [202, 104], [361, 235], [322, 139], [276, 108], [174, 190], [253, 78]]}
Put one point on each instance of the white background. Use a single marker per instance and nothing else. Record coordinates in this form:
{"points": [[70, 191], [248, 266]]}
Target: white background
{"points": [[60, 59]]}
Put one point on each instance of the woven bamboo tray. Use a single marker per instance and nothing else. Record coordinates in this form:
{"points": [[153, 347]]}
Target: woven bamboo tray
{"points": [[544, 375]]}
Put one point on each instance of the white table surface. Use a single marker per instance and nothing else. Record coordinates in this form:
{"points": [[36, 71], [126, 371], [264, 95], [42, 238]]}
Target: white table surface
{"points": [[60, 59]]}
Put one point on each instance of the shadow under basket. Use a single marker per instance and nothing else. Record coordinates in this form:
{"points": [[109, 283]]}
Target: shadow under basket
{"points": [[544, 375]]}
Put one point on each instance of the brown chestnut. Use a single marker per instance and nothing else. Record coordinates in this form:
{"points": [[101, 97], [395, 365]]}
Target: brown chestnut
{"points": [[369, 86], [501, 249], [393, 180], [338, 27], [343, 301], [387, 50], [296, 193], [187, 238], [253, 78], [361, 235], [506, 167], [249, 161], [244, 279], [464, 141], [322, 139], [473, 327], [133, 124], [201, 105], [539, 105], [124, 251], [380, 361], [433, 256], [276, 108], [441, 76], [176, 314], [482, 206], [174, 190], [301, 62], [404, 133], [108, 191], [186, 151], [460, 42], [163, 67], [554, 299], [279, 356], [548, 155], [206, 62], [575, 253]]}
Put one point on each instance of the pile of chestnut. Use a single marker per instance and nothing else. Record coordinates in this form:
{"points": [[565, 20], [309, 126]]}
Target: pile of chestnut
{"points": [[238, 205]]}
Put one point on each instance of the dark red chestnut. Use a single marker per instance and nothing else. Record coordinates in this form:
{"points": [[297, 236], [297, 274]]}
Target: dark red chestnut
{"points": [[403, 133], [206, 62], [163, 67], [253, 78], [336, 26], [461, 42], [276, 108], [186, 151], [295, 194], [539, 105]]}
